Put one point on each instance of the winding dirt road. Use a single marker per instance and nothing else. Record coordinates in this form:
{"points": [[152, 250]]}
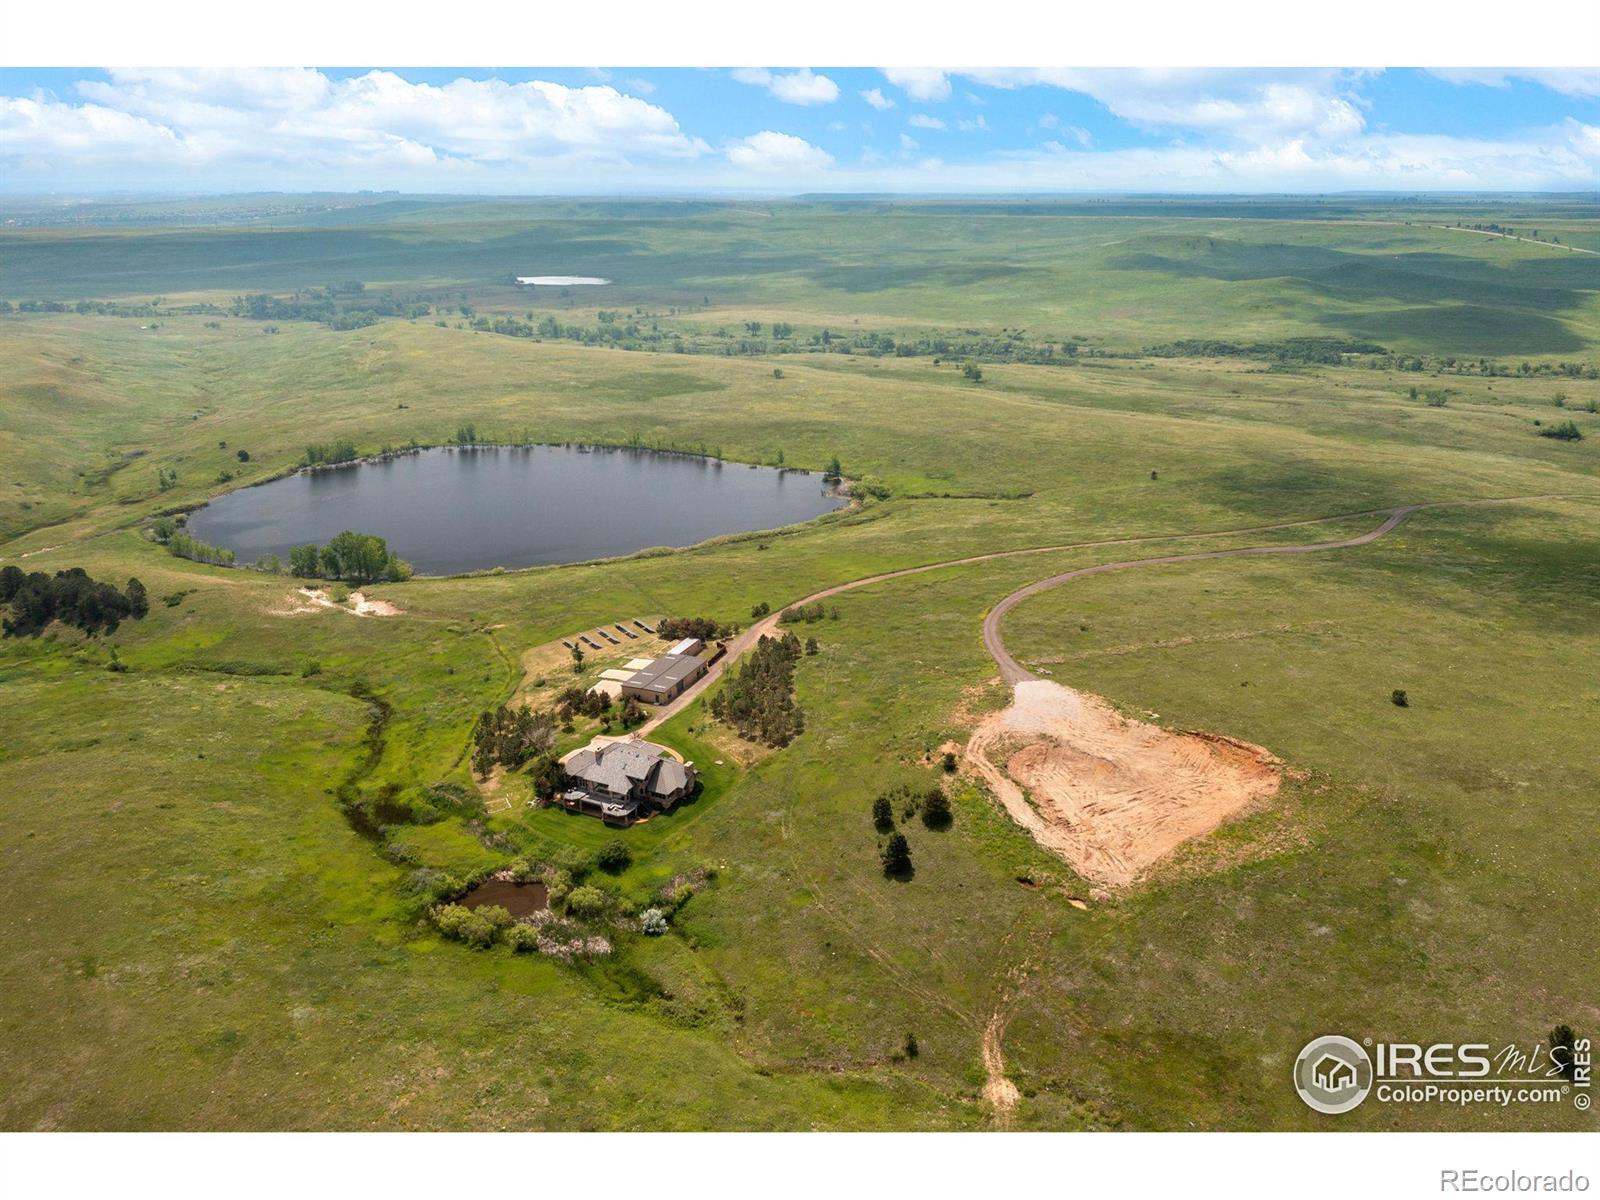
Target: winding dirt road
{"points": [[1014, 672], [1010, 669]]}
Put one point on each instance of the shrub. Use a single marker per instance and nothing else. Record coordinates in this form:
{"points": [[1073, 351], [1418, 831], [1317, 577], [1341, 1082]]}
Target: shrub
{"points": [[936, 809], [431, 883], [653, 922], [1566, 431], [912, 1049], [462, 924], [523, 939], [586, 901], [948, 762], [1399, 697], [558, 884], [613, 857]]}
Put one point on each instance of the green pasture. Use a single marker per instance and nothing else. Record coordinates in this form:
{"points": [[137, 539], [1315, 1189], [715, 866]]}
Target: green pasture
{"points": [[195, 937]]}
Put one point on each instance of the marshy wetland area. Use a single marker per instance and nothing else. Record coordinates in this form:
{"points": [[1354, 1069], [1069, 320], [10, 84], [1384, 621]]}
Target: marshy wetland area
{"points": [[1300, 738]]}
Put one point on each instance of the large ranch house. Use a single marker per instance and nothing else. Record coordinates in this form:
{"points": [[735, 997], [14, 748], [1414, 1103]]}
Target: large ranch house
{"points": [[622, 781]]}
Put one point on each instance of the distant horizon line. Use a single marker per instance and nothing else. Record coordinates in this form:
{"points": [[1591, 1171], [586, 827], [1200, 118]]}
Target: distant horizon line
{"points": [[66, 195]]}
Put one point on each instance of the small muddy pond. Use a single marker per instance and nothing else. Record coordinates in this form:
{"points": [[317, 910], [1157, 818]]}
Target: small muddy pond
{"points": [[518, 899], [451, 510]]}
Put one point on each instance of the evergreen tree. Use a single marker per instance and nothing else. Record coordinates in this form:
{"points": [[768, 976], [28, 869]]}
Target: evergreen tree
{"points": [[897, 855]]}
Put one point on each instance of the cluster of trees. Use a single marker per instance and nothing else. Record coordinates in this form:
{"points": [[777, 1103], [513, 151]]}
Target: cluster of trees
{"points": [[1290, 350], [350, 556], [340, 450], [577, 701], [677, 628], [908, 801], [71, 596], [510, 737], [808, 613], [758, 697], [894, 852], [338, 306]]}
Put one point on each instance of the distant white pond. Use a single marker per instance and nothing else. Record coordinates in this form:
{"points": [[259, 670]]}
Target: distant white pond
{"points": [[560, 280]]}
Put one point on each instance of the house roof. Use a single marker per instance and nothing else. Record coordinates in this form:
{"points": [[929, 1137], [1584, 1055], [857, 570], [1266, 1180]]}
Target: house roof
{"points": [[665, 672], [619, 766], [671, 776]]}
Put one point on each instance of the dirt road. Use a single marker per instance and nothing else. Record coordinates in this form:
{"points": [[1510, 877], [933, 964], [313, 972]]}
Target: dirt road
{"points": [[769, 624], [1014, 672], [1009, 667]]}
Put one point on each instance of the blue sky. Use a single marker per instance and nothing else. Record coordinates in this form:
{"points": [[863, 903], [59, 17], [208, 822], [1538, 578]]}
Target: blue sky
{"points": [[566, 131]]}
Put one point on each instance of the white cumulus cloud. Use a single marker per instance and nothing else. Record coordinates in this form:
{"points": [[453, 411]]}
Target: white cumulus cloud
{"points": [[926, 84], [876, 98], [792, 87], [772, 151], [255, 122], [924, 121]]}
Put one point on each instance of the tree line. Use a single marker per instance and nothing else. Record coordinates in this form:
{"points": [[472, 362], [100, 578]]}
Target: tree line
{"points": [[71, 596], [339, 306]]}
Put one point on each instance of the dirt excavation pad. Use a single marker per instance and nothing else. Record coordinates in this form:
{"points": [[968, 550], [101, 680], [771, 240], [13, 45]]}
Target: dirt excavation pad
{"points": [[1108, 795]]}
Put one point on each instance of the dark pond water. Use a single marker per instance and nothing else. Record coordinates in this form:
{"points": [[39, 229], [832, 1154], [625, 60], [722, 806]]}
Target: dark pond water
{"points": [[446, 511], [518, 899]]}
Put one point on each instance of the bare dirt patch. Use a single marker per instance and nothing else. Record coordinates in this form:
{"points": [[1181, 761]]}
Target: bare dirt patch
{"points": [[364, 606], [310, 600], [1110, 796]]}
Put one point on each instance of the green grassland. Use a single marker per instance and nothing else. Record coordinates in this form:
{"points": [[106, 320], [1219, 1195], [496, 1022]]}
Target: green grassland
{"points": [[194, 937]]}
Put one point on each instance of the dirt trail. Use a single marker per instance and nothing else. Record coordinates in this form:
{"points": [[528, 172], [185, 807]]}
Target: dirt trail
{"points": [[1013, 672], [999, 1091]]}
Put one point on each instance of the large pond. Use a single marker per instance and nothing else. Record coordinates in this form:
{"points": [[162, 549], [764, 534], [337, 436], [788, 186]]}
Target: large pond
{"points": [[451, 510]]}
